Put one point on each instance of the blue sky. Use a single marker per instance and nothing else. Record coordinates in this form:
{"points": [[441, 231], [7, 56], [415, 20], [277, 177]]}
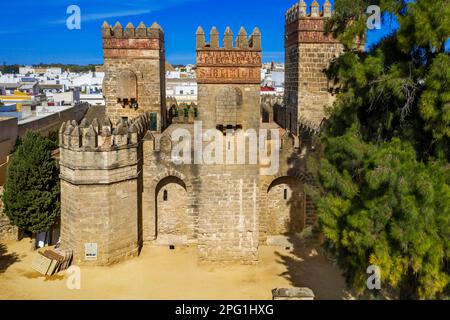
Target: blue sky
{"points": [[35, 31]]}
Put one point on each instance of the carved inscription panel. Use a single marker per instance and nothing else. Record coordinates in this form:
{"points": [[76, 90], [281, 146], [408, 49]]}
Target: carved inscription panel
{"points": [[235, 58], [151, 44], [229, 66]]}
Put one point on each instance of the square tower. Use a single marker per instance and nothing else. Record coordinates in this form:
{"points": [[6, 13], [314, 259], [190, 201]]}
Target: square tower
{"points": [[229, 79], [308, 53], [229, 100], [134, 61]]}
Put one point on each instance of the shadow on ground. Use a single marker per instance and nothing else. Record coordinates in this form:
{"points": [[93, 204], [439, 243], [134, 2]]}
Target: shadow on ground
{"points": [[308, 266], [6, 260]]}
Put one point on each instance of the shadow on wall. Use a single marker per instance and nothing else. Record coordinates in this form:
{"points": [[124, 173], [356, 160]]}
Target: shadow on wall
{"points": [[6, 260]]}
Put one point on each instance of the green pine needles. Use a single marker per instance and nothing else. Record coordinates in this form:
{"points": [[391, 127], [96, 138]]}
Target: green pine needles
{"points": [[383, 182], [31, 193]]}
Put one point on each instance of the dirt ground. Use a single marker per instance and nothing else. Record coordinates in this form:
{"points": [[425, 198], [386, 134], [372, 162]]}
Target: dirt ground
{"points": [[160, 273]]}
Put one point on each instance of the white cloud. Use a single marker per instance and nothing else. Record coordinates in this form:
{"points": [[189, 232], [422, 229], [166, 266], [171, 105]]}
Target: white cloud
{"points": [[105, 15], [134, 8]]}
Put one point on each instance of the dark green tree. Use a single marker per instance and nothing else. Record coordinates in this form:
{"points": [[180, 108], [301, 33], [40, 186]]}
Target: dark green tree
{"points": [[383, 181], [31, 192]]}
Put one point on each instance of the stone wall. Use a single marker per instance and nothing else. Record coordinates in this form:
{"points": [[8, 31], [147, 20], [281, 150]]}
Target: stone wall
{"points": [[8, 137], [173, 223], [226, 210], [291, 216], [218, 190], [314, 86], [216, 206], [120, 186], [101, 214], [291, 87], [52, 123], [285, 207], [10, 130], [8, 232], [134, 62]]}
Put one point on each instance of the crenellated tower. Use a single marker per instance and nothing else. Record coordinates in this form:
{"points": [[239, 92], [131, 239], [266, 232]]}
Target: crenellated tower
{"points": [[134, 61], [100, 166], [308, 53], [229, 77], [122, 181]]}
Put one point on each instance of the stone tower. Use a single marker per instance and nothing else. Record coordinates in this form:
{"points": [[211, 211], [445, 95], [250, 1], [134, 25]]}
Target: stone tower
{"points": [[100, 171], [134, 61], [228, 101], [308, 52]]}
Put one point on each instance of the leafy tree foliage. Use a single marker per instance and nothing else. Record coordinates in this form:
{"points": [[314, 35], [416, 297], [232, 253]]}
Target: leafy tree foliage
{"points": [[383, 181], [9, 69], [69, 67], [31, 194]]}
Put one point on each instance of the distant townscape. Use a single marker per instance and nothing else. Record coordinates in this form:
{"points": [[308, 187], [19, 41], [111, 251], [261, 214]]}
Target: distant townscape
{"points": [[57, 86], [40, 97]]}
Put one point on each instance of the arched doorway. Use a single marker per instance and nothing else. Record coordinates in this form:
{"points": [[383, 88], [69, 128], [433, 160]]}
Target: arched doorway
{"points": [[172, 221], [286, 206]]}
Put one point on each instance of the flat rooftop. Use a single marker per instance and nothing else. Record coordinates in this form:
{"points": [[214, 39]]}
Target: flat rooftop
{"points": [[2, 119], [41, 114]]}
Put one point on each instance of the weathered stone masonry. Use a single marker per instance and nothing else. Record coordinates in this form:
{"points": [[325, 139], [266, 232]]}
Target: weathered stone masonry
{"points": [[308, 53], [135, 79], [100, 187], [229, 98], [120, 188]]}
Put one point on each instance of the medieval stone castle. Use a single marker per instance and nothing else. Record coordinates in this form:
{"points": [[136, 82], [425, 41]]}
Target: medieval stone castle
{"points": [[121, 189]]}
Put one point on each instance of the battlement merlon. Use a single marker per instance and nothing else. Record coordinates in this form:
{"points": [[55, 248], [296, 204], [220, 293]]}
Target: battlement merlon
{"points": [[303, 27], [102, 136], [130, 32], [101, 153], [131, 42], [299, 11], [242, 43]]}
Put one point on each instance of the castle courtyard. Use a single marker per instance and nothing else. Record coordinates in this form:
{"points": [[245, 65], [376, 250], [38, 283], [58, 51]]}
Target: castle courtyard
{"points": [[161, 273]]}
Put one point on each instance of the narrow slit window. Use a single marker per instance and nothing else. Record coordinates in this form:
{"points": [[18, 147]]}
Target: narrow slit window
{"points": [[165, 195], [285, 195]]}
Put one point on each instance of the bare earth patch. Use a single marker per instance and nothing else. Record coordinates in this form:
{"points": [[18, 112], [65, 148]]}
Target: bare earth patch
{"points": [[160, 273]]}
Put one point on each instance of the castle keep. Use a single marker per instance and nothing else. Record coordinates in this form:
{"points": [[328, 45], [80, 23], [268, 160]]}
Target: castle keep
{"points": [[122, 185]]}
